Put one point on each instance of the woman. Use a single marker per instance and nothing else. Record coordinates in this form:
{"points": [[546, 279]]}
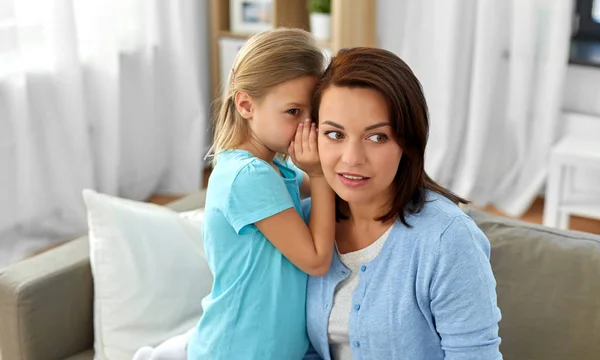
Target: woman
{"points": [[411, 277]]}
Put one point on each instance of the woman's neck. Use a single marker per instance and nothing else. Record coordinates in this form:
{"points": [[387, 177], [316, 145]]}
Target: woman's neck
{"points": [[366, 212], [361, 229]]}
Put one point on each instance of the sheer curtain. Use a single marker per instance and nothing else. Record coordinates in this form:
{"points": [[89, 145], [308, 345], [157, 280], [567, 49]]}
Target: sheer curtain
{"points": [[103, 94], [493, 73]]}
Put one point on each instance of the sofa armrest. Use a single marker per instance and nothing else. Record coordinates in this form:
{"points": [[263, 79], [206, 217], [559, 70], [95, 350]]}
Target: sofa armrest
{"points": [[46, 304]]}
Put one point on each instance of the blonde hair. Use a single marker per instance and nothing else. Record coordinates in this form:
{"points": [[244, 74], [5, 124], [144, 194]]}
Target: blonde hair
{"points": [[266, 60]]}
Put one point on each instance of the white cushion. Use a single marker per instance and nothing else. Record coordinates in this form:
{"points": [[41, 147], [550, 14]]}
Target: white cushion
{"points": [[150, 273]]}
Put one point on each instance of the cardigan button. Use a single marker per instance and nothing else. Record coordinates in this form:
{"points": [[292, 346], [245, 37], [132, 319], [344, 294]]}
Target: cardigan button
{"points": [[355, 344], [363, 268]]}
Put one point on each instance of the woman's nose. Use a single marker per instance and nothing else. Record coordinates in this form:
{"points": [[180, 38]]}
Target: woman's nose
{"points": [[354, 154]]}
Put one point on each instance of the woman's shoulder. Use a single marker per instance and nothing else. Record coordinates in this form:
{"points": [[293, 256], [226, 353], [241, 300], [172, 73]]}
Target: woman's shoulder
{"points": [[442, 204], [441, 222], [437, 214]]}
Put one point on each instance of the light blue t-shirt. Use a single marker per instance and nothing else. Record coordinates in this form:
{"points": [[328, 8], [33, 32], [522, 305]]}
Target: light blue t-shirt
{"points": [[257, 307]]}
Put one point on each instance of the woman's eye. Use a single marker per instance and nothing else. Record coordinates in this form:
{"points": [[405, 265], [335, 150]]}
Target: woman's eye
{"points": [[378, 138], [294, 112], [335, 135]]}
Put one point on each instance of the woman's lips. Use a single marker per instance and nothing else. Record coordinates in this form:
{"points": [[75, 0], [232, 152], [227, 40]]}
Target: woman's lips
{"points": [[353, 180]]}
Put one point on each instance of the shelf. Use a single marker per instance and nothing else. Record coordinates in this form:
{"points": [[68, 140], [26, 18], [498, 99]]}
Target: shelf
{"points": [[350, 26], [230, 34], [324, 44]]}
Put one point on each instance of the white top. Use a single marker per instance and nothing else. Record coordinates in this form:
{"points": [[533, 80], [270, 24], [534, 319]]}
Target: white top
{"points": [[339, 342]]}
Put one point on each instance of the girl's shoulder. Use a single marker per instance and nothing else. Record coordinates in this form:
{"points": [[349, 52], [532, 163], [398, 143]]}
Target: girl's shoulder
{"points": [[239, 175], [245, 189], [239, 165]]}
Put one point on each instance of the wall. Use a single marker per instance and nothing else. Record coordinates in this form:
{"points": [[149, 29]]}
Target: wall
{"points": [[582, 116], [582, 92]]}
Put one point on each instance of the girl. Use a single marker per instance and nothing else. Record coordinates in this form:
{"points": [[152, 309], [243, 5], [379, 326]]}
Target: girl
{"points": [[257, 244]]}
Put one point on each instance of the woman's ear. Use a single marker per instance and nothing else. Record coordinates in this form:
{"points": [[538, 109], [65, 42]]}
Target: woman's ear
{"points": [[243, 104]]}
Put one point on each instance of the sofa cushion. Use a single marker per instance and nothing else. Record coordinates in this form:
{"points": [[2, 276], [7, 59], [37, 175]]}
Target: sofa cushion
{"points": [[548, 289], [150, 273]]}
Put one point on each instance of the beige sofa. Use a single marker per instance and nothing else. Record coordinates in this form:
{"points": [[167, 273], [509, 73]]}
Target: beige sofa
{"points": [[548, 291]]}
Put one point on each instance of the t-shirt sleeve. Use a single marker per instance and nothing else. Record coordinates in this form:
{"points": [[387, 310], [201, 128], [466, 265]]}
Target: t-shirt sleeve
{"points": [[257, 192]]}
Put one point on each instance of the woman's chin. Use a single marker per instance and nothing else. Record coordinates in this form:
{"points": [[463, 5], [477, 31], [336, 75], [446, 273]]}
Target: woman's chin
{"points": [[352, 197]]}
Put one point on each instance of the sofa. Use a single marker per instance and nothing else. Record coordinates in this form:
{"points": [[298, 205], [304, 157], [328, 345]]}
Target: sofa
{"points": [[548, 285]]}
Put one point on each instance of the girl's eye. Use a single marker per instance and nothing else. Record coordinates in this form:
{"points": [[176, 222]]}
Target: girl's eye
{"points": [[378, 138], [335, 135], [294, 112]]}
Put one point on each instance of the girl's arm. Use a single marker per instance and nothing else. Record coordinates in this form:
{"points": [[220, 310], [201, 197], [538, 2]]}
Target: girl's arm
{"points": [[309, 248]]}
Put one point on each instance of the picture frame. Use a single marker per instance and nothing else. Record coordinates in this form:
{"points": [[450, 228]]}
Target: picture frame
{"points": [[250, 16]]}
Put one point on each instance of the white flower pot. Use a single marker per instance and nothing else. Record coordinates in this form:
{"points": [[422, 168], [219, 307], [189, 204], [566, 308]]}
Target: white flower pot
{"points": [[320, 26]]}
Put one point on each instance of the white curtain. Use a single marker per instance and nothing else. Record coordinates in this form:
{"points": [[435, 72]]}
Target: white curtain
{"points": [[103, 94], [493, 73]]}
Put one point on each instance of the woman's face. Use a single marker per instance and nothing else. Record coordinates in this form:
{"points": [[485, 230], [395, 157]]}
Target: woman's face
{"points": [[358, 152]]}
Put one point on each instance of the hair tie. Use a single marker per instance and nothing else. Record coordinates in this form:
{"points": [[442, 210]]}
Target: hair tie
{"points": [[232, 78], [210, 152]]}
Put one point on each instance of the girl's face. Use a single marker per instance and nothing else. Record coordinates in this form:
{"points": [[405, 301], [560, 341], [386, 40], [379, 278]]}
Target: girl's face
{"points": [[358, 152], [274, 119]]}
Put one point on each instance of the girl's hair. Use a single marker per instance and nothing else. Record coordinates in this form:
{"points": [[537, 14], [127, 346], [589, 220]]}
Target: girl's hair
{"points": [[266, 60], [386, 73]]}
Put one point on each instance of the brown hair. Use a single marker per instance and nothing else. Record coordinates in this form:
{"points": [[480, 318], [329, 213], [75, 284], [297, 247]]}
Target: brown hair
{"points": [[386, 73]]}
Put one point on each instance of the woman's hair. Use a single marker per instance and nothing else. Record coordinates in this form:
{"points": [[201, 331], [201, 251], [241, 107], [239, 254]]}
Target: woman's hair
{"points": [[266, 60], [386, 73]]}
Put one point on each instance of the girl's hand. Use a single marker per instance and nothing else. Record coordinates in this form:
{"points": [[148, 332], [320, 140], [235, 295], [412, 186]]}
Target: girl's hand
{"points": [[303, 149]]}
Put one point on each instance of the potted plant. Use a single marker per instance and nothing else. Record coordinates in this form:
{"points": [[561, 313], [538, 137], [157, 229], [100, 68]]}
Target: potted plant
{"points": [[320, 18]]}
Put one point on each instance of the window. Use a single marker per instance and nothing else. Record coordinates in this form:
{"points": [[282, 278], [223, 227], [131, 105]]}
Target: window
{"points": [[588, 20], [585, 43], [22, 35], [37, 35]]}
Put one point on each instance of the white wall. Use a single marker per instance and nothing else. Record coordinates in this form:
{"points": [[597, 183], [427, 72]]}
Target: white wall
{"points": [[582, 93], [582, 116]]}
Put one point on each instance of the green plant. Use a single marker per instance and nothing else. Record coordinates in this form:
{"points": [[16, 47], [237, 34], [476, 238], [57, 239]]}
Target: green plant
{"points": [[319, 6]]}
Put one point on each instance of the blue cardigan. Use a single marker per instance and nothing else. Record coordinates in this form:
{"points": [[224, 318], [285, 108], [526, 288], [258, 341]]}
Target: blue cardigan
{"points": [[430, 294]]}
